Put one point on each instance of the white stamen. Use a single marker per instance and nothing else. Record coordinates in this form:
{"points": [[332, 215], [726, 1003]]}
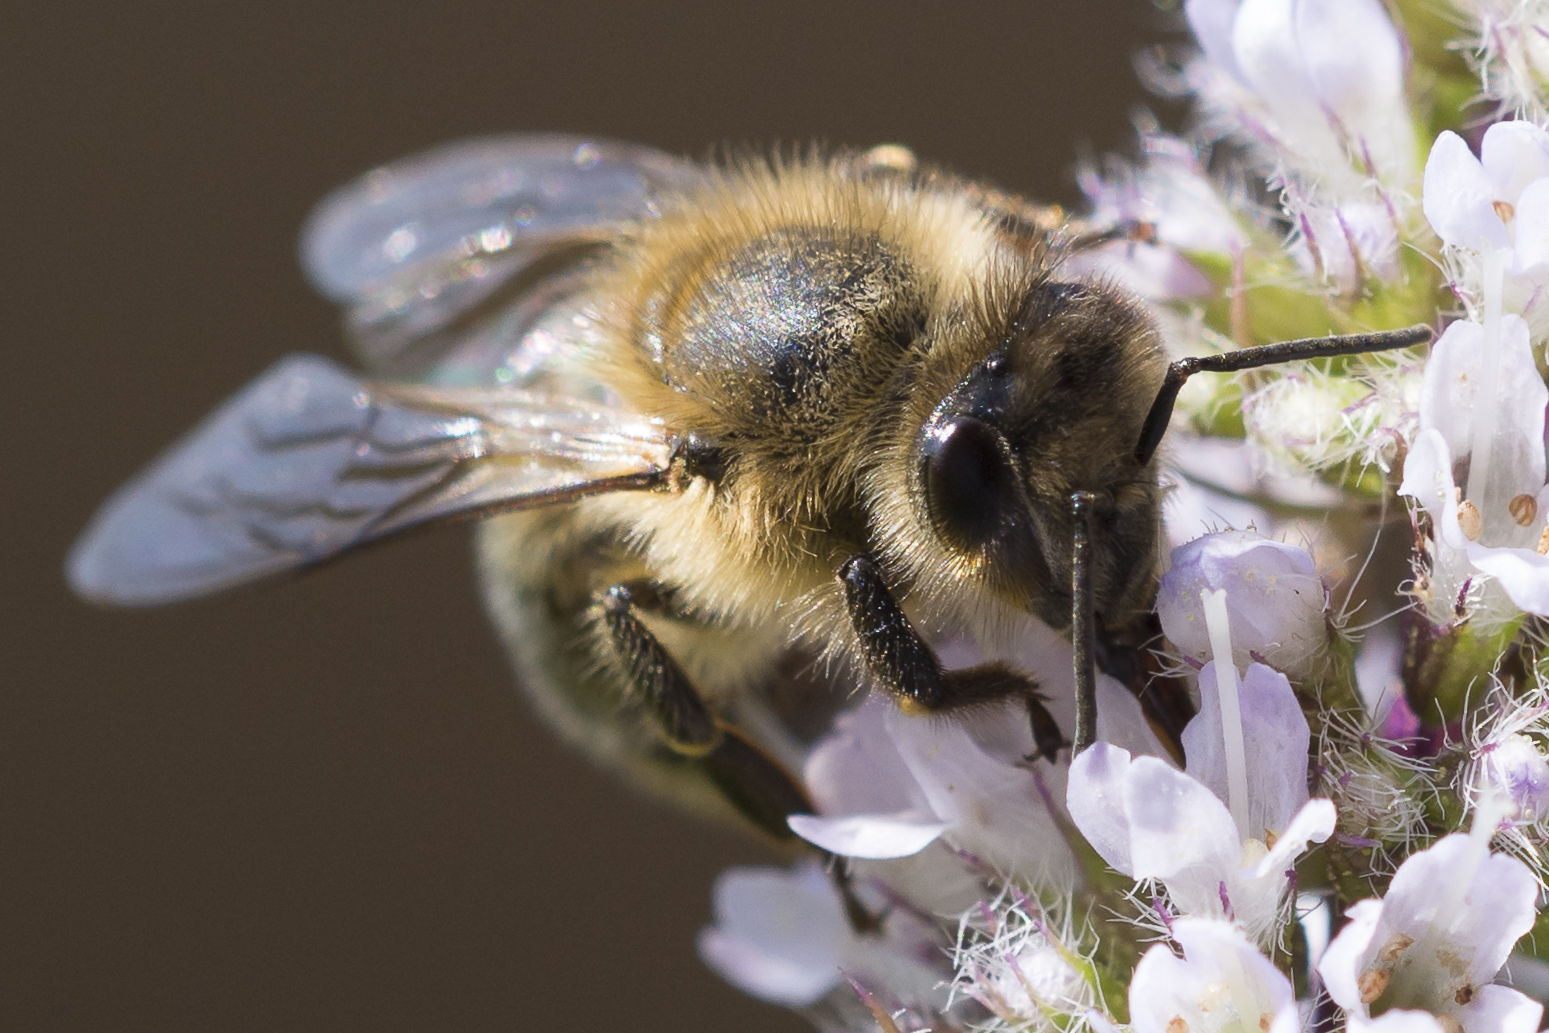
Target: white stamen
{"points": [[1219, 625], [1490, 810], [1489, 379]]}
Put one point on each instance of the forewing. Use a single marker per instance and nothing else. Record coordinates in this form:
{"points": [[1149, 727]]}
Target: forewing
{"points": [[417, 246], [309, 460]]}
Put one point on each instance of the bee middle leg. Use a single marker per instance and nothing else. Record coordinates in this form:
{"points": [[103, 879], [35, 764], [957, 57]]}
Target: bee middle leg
{"points": [[750, 779], [754, 783], [911, 671]]}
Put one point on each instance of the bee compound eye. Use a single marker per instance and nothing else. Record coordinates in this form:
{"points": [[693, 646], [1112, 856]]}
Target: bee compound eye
{"points": [[968, 479]]}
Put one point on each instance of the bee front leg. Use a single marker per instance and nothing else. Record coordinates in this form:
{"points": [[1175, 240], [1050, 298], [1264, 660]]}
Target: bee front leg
{"points": [[911, 671]]}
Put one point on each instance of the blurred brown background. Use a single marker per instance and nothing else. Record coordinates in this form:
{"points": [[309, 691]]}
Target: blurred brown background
{"points": [[322, 806]]}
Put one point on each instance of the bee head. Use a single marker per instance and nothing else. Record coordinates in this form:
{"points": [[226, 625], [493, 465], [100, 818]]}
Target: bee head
{"points": [[1054, 407]]}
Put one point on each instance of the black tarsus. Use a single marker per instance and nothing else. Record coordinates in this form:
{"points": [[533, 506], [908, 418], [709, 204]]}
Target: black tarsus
{"points": [[1265, 355], [910, 670]]}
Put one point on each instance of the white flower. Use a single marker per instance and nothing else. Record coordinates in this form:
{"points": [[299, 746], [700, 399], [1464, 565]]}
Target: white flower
{"points": [[1222, 984], [1276, 598], [1437, 940], [1318, 87], [1151, 821], [782, 936], [1496, 523], [1223, 836], [887, 785], [1496, 202], [1319, 82]]}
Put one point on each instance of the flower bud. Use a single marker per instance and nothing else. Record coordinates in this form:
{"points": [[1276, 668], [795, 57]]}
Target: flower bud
{"points": [[1515, 769], [1273, 595]]}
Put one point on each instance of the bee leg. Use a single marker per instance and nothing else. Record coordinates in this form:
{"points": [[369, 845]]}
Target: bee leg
{"points": [[910, 670], [855, 911], [750, 779]]}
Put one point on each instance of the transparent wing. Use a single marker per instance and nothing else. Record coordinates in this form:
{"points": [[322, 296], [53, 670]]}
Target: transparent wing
{"points": [[309, 460], [418, 246]]}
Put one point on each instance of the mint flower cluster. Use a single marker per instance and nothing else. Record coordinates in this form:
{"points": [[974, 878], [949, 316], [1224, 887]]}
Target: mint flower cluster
{"points": [[1354, 836]]}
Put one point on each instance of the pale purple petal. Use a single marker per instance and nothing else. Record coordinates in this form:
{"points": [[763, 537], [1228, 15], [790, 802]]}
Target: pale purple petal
{"points": [[1458, 197], [1121, 721], [1094, 796], [1513, 155], [779, 935], [856, 769], [876, 837], [1314, 823], [1273, 594], [1157, 273], [789, 982], [1500, 1009], [1518, 456], [935, 880], [1531, 227], [1450, 385], [1346, 957], [1514, 768], [1523, 574], [1346, 241], [1449, 396], [1428, 480], [1176, 824], [1275, 738], [994, 810], [1212, 21]]}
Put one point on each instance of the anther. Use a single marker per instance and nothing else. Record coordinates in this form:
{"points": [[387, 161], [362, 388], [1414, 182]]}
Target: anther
{"points": [[1471, 521], [1523, 509], [1504, 209], [1372, 984], [1397, 945]]}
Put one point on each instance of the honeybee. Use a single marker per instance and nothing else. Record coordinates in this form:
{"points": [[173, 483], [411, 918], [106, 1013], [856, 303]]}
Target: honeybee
{"points": [[747, 438]]}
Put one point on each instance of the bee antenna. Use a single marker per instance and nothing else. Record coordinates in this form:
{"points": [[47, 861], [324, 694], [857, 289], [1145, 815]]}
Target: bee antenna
{"points": [[1083, 630], [1180, 370]]}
